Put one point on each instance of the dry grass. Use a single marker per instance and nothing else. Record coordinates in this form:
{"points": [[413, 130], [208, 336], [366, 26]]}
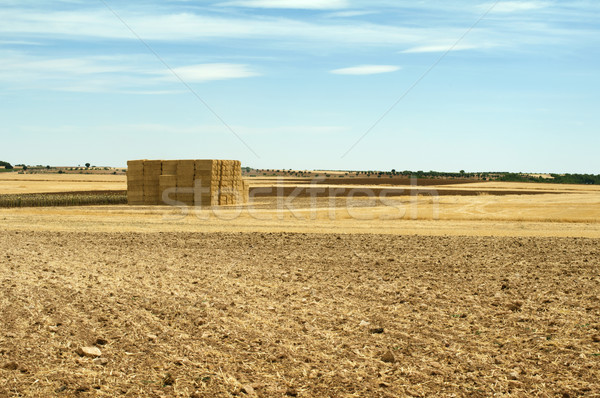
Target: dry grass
{"points": [[515, 215], [64, 199], [14, 183]]}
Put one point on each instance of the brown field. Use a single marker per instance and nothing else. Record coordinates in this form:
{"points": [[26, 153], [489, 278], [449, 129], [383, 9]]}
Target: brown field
{"points": [[458, 295], [13, 183]]}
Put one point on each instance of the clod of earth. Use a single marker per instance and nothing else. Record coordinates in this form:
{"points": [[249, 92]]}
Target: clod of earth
{"points": [[100, 361], [11, 366], [249, 390], [151, 337], [168, 380], [91, 352], [388, 357], [515, 306]]}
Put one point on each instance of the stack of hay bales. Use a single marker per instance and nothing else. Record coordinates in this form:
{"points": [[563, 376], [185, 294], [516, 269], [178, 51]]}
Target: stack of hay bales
{"points": [[152, 173], [205, 182], [185, 180], [231, 187], [135, 182], [167, 182]]}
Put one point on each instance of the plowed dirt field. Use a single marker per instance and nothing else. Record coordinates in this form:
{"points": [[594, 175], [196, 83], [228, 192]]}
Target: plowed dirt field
{"points": [[307, 315]]}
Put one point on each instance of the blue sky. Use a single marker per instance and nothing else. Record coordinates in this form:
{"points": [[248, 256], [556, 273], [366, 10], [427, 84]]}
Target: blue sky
{"points": [[297, 83]]}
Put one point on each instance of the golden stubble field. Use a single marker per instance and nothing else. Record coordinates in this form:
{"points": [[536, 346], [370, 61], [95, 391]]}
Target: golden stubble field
{"points": [[478, 296]]}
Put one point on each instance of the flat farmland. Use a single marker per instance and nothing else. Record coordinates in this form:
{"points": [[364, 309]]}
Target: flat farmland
{"points": [[281, 314], [469, 294], [14, 183]]}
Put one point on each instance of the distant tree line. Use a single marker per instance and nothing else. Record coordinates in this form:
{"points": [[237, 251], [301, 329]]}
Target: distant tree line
{"points": [[6, 165], [587, 179]]}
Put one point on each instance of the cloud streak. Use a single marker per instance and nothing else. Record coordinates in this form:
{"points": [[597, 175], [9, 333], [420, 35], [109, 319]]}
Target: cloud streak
{"points": [[125, 74], [290, 4], [366, 70], [215, 71], [519, 6], [440, 48], [79, 25]]}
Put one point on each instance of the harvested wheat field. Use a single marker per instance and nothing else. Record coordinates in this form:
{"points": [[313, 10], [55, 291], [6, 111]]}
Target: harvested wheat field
{"points": [[14, 183], [264, 314]]}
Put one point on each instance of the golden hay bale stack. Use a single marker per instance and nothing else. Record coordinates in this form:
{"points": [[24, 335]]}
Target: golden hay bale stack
{"points": [[222, 181], [185, 179], [135, 178], [152, 172]]}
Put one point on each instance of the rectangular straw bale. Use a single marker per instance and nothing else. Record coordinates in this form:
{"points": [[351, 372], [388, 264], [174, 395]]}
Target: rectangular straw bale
{"points": [[151, 200], [135, 166], [202, 189], [152, 165], [135, 172], [167, 185], [169, 167], [204, 200], [135, 186], [135, 178], [204, 175], [135, 197], [185, 167], [186, 198], [185, 179], [135, 182], [152, 171], [151, 191], [204, 164]]}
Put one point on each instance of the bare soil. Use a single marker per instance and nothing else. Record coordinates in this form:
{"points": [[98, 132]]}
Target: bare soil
{"points": [[307, 315]]}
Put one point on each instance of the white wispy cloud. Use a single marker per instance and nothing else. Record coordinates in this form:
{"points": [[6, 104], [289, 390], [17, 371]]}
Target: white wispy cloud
{"points": [[366, 70], [270, 31], [185, 129], [20, 43], [186, 24], [291, 4], [518, 6], [215, 71], [125, 74], [351, 14], [440, 48], [79, 25]]}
